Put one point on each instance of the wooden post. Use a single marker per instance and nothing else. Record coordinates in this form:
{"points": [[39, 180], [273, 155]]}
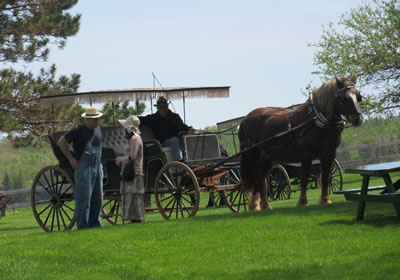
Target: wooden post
{"points": [[184, 105]]}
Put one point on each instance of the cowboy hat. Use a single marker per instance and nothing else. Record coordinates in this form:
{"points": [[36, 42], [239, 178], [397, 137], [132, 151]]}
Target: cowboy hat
{"points": [[162, 101], [92, 113], [131, 124]]}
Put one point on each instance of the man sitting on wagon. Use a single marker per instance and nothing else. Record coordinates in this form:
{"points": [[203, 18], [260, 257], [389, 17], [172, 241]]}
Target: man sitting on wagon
{"points": [[166, 127]]}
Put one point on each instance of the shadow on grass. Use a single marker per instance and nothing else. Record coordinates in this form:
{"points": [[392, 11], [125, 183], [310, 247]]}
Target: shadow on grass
{"points": [[296, 271], [262, 274], [345, 209], [289, 273], [281, 210], [377, 221]]}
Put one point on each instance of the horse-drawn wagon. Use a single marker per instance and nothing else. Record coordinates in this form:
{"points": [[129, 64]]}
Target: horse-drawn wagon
{"points": [[176, 186]]}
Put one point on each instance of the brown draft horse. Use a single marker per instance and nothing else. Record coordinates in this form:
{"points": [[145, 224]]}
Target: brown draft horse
{"points": [[301, 133]]}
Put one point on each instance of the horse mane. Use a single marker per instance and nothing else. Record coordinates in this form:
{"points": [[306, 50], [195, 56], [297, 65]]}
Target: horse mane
{"points": [[324, 96]]}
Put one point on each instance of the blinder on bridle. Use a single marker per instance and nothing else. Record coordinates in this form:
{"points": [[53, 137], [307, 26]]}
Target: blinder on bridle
{"points": [[342, 92]]}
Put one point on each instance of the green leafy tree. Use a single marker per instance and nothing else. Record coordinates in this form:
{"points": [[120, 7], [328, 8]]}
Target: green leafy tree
{"points": [[365, 43], [114, 112], [27, 29]]}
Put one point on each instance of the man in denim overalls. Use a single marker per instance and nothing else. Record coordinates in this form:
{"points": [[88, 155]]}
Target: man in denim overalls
{"points": [[88, 172]]}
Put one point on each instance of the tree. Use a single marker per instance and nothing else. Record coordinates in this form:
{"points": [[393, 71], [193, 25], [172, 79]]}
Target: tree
{"points": [[27, 28], [20, 110], [17, 181], [114, 112], [6, 182], [368, 46]]}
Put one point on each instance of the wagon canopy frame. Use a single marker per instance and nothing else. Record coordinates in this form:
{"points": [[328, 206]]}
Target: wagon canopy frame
{"points": [[134, 94]]}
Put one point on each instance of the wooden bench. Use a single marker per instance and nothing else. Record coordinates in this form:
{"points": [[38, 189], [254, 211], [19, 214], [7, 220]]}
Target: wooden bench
{"points": [[379, 197], [357, 190]]}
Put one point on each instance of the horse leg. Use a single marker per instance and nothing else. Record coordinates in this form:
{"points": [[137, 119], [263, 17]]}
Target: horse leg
{"points": [[259, 191], [264, 187], [326, 166], [253, 201], [248, 173], [264, 201], [305, 173]]}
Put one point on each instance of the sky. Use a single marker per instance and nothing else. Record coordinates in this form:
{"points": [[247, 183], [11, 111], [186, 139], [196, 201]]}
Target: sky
{"points": [[258, 48]]}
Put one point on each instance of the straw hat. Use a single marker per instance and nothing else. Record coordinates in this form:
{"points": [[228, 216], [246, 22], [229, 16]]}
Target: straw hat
{"points": [[131, 124], [92, 113]]}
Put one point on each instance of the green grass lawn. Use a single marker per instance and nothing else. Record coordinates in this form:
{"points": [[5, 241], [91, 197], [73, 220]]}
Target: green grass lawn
{"points": [[315, 242]]}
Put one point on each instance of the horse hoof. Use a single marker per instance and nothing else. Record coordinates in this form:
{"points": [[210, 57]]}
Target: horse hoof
{"points": [[303, 204], [254, 202], [266, 207], [254, 208], [325, 202]]}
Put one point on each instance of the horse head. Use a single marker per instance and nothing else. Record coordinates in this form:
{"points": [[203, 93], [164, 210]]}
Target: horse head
{"points": [[347, 100]]}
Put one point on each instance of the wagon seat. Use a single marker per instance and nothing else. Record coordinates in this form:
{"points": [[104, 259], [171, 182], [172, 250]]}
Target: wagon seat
{"points": [[202, 148]]}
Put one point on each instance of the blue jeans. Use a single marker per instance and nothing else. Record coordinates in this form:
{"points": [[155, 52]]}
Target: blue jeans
{"points": [[89, 188], [176, 147]]}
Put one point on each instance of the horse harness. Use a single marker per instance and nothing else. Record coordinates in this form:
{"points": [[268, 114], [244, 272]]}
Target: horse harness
{"points": [[320, 120], [315, 117]]}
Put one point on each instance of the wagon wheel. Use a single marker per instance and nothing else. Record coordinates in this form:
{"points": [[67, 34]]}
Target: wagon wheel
{"points": [[53, 199], [111, 210], [336, 177], [176, 191], [216, 199], [234, 199], [279, 183], [314, 182]]}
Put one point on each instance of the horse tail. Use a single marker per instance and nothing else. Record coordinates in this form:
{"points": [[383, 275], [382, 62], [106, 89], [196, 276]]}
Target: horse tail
{"points": [[247, 161]]}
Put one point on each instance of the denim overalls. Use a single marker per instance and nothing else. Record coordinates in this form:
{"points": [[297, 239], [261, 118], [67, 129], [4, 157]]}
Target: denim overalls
{"points": [[89, 185]]}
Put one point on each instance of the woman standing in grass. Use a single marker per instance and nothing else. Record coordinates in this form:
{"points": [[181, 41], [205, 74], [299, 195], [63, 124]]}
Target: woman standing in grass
{"points": [[132, 192]]}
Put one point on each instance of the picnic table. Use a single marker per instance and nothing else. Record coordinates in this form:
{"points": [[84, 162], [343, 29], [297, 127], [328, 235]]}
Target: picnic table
{"points": [[388, 192]]}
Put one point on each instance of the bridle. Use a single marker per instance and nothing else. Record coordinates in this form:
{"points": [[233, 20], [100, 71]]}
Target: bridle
{"points": [[341, 93], [340, 96]]}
